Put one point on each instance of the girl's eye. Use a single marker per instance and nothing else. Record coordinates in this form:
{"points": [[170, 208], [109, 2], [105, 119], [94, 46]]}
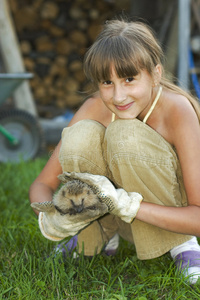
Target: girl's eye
{"points": [[107, 82], [129, 79]]}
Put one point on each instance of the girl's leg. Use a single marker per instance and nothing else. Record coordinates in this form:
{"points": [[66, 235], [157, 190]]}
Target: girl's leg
{"points": [[81, 148], [140, 160], [81, 151]]}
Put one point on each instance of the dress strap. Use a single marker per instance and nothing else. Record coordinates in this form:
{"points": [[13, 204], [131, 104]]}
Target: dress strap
{"points": [[113, 117], [153, 105]]}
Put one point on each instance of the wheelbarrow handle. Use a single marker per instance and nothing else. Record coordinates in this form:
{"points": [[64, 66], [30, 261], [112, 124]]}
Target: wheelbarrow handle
{"points": [[9, 136]]}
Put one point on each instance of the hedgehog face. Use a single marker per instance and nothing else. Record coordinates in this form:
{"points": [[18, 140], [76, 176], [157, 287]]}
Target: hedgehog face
{"points": [[76, 197]]}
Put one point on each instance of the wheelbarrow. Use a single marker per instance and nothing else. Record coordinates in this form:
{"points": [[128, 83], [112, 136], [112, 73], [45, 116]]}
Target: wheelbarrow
{"points": [[21, 136]]}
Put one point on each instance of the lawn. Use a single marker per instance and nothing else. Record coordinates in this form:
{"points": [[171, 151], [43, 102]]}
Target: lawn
{"points": [[29, 270]]}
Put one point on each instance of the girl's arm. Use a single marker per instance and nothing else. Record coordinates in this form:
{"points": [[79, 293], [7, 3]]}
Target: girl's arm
{"points": [[184, 133], [47, 182], [183, 220]]}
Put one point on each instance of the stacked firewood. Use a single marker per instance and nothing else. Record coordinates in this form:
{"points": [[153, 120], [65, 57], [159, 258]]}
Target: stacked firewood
{"points": [[53, 37]]}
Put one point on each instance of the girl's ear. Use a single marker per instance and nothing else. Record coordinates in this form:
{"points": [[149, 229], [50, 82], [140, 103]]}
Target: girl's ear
{"points": [[157, 74]]}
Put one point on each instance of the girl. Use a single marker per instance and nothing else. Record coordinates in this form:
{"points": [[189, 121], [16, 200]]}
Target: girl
{"points": [[142, 132]]}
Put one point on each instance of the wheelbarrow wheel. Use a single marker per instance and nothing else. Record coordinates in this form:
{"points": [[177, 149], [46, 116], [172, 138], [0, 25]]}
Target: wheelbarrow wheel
{"points": [[26, 130]]}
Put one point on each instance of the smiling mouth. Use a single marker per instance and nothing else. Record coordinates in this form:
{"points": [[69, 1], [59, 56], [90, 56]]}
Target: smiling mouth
{"points": [[124, 107]]}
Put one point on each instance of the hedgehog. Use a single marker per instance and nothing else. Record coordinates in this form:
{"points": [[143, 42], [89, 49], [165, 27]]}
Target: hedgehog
{"points": [[75, 199]]}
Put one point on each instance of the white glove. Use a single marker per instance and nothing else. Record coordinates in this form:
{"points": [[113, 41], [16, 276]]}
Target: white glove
{"points": [[120, 203], [56, 226]]}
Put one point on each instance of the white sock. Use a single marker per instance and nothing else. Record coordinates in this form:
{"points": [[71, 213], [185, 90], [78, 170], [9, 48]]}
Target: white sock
{"points": [[113, 243], [187, 246], [191, 245]]}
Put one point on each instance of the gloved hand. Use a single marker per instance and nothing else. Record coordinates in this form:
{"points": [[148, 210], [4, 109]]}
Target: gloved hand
{"points": [[55, 225], [120, 203]]}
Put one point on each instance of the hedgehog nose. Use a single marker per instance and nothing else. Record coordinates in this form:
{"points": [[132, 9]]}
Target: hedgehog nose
{"points": [[79, 208]]}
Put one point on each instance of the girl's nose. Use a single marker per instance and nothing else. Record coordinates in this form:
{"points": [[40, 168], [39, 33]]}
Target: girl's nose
{"points": [[119, 94]]}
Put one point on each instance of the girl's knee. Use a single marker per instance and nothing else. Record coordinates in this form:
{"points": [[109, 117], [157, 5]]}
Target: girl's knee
{"points": [[81, 148]]}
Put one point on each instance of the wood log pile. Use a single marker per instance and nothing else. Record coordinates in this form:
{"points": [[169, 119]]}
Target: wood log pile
{"points": [[53, 37]]}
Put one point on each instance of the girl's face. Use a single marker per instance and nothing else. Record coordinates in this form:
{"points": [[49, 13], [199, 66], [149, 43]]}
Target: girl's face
{"points": [[128, 98]]}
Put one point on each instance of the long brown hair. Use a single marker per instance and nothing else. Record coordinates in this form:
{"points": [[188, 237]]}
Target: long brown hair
{"points": [[130, 47]]}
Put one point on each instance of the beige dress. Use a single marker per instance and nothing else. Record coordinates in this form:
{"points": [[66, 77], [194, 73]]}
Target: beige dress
{"points": [[135, 157]]}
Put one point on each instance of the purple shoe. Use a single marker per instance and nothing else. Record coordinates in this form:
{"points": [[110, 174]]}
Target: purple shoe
{"points": [[189, 263], [67, 248]]}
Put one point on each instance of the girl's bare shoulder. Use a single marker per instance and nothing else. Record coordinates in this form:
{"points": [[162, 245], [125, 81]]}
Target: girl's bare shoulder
{"points": [[179, 115], [178, 109]]}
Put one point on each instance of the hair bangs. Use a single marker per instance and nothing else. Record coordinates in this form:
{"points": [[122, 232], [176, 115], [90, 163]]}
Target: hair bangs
{"points": [[115, 52], [127, 60]]}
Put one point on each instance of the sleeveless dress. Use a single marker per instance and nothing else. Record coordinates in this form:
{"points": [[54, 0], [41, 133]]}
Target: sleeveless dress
{"points": [[135, 157]]}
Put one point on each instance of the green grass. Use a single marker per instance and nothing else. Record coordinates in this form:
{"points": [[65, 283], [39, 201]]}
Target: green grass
{"points": [[29, 271]]}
